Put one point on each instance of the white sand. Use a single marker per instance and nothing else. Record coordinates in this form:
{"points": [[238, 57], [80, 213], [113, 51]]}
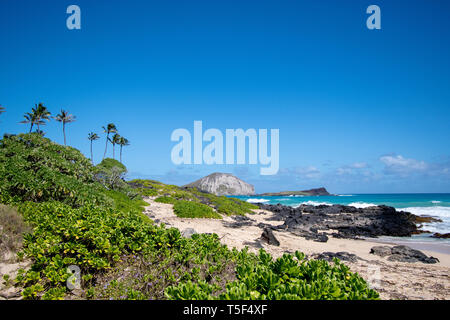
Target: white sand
{"points": [[395, 281]]}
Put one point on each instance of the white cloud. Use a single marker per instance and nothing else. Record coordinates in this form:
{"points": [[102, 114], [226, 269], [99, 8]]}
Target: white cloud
{"points": [[397, 164], [359, 165]]}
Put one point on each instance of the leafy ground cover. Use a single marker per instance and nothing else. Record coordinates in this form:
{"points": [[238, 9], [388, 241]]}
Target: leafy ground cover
{"points": [[190, 209], [88, 217]]}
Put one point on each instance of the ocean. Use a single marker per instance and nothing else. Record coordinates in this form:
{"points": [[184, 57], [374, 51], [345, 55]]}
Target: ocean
{"points": [[427, 204]]}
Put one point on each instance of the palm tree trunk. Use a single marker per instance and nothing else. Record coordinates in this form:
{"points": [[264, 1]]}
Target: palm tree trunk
{"points": [[114, 155], [64, 132], [31, 127], [121, 154], [106, 147], [92, 156]]}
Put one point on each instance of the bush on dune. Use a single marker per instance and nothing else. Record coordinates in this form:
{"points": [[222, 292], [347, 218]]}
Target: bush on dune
{"points": [[33, 168], [189, 209]]}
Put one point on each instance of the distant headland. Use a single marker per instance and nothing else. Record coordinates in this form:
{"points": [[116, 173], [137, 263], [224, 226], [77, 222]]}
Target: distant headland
{"points": [[311, 192]]}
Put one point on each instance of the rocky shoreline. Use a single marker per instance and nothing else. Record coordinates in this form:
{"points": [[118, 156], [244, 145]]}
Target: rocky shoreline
{"points": [[403, 272], [318, 223]]}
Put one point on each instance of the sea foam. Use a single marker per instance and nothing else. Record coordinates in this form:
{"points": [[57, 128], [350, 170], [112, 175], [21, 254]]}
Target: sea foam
{"points": [[252, 200], [361, 204]]}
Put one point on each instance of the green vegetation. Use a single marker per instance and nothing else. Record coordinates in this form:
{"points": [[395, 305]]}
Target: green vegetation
{"points": [[190, 209], [166, 199], [286, 278], [111, 174], [33, 168], [80, 216]]}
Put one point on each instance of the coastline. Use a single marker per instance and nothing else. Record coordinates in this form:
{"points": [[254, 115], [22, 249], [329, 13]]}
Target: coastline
{"points": [[398, 280]]}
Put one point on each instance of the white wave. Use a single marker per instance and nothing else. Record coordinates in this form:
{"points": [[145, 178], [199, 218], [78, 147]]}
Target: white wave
{"points": [[316, 203], [436, 227], [361, 204], [440, 212], [345, 195], [252, 200], [435, 201]]}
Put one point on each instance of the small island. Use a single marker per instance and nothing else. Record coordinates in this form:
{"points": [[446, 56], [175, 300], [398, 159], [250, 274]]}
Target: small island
{"points": [[307, 193]]}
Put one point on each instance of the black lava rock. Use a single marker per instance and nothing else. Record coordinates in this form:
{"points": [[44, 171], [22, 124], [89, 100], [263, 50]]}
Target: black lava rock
{"points": [[402, 254], [268, 237], [344, 256], [348, 221]]}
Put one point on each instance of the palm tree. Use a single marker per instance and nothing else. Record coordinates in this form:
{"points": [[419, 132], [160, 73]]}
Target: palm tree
{"points": [[115, 140], [65, 117], [29, 118], [92, 137], [40, 113], [123, 142], [110, 128], [2, 109]]}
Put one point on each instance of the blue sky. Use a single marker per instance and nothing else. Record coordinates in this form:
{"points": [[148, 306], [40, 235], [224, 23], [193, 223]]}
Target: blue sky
{"points": [[359, 111]]}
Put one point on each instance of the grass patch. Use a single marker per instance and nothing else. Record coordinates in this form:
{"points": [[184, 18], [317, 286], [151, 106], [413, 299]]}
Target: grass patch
{"points": [[165, 199], [12, 230], [189, 209]]}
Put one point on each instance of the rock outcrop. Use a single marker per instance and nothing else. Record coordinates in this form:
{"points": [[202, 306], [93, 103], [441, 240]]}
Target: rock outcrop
{"points": [[441, 235], [402, 254], [268, 237], [343, 221], [223, 184]]}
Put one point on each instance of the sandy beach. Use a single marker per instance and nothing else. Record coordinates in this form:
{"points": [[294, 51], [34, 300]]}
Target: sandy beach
{"points": [[393, 280]]}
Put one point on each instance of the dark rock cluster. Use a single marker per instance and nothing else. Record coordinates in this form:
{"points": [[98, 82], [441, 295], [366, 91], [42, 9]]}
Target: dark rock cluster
{"points": [[268, 237], [402, 254], [441, 235], [318, 222], [344, 256]]}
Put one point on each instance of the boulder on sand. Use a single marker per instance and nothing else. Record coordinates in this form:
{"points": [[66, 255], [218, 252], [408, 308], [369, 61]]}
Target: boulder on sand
{"points": [[402, 254], [268, 237]]}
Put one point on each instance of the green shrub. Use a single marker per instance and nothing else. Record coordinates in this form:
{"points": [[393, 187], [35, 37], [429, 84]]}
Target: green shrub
{"points": [[165, 199], [201, 258], [33, 168], [111, 174], [90, 237], [286, 278], [108, 164], [189, 209]]}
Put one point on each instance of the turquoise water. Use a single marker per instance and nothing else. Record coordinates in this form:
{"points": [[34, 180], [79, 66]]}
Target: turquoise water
{"points": [[429, 204]]}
